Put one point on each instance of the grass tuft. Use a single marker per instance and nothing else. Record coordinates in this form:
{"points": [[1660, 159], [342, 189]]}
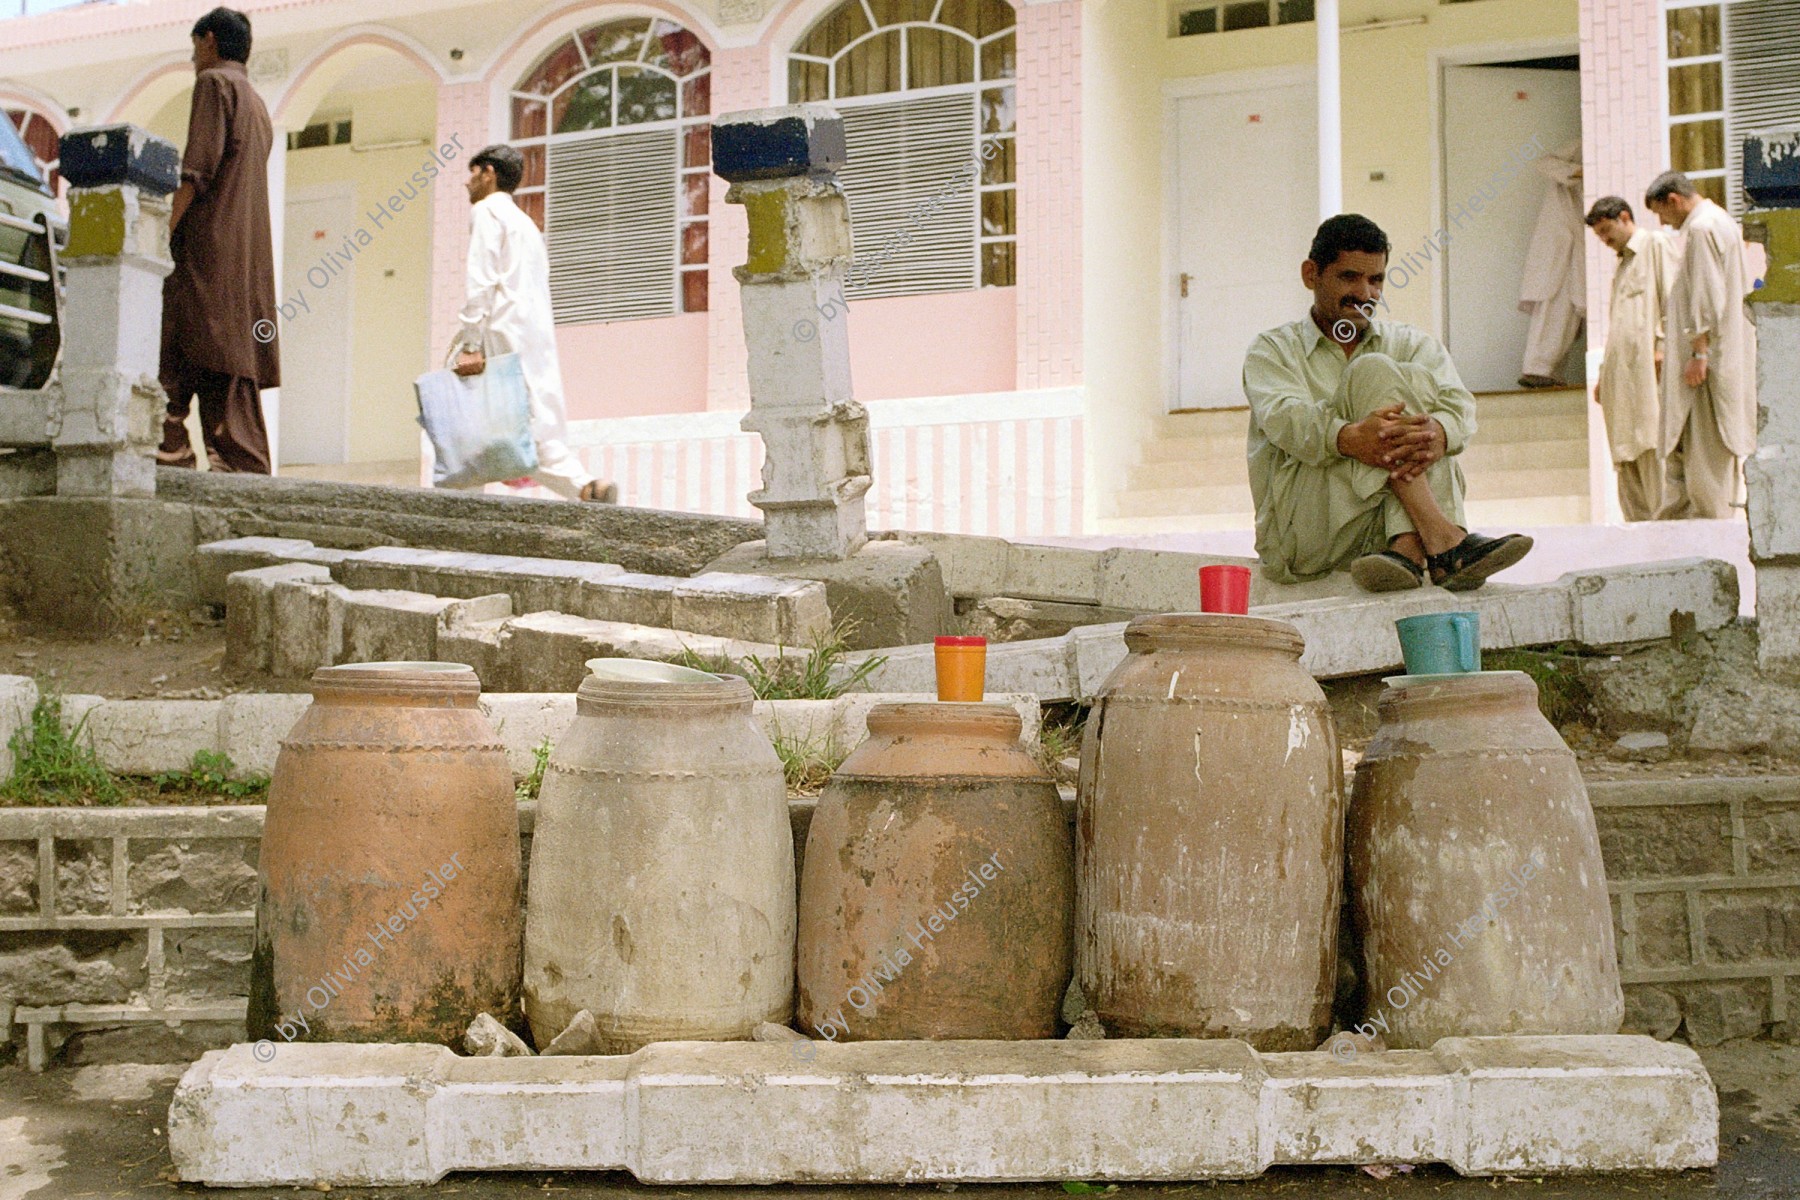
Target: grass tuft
{"points": [[530, 785], [52, 766], [1563, 695], [788, 677], [807, 763], [212, 774]]}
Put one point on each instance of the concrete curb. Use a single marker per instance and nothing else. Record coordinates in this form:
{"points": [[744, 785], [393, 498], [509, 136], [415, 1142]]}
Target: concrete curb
{"points": [[903, 1112], [1354, 635], [148, 737]]}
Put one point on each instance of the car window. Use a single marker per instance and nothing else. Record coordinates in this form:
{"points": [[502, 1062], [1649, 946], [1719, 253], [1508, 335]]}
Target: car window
{"points": [[15, 156]]}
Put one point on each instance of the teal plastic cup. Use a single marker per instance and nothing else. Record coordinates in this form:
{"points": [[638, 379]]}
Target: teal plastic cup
{"points": [[1443, 643]]}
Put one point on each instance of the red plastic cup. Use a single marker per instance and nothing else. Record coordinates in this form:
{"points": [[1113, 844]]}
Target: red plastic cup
{"points": [[962, 669], [1225, 589]]}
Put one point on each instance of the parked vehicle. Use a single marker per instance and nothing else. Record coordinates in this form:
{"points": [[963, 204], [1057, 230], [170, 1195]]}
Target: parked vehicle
{"points": [[32, 233]]}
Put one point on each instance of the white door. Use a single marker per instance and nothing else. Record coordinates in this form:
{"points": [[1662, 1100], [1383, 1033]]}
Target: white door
{"points": [[1246, 209], [316, 336], [1489, 112]]}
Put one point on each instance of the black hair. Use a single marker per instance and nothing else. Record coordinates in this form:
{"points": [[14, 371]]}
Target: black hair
{"points": [[508, 164], [1347, 233], [1608, 208], [231, 33], [1669, 183]]}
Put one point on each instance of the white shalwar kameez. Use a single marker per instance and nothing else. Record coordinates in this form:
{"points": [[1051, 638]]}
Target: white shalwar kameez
{"points": [[1554, 287], [507, 309]]}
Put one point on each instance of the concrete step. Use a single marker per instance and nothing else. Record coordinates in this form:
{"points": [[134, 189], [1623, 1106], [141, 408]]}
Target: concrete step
{"points": [[1526, 513], [1496, 455], [1176, 501], [1223, 464], [1552, 482], [917, 1112]]}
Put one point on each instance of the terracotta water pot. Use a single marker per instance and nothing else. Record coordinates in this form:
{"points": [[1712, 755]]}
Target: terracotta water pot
{"points": [[662, 865], [1475, 870], [1209, 840], [937, 895], [390, 864]]}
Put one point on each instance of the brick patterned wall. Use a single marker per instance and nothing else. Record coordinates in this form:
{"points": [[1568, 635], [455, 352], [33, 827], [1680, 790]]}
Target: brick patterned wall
{"points": [[462, 111], [1705, 877], [740, 80], [1624, 145], [1049, 199]]}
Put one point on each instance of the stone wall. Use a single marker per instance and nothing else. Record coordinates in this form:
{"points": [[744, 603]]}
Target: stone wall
{"points": [[114, 922]]}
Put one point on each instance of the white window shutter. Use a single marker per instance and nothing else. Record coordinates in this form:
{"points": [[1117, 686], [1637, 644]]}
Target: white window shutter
{"points": [[609, 222], [912, 180], [1762, 70]]}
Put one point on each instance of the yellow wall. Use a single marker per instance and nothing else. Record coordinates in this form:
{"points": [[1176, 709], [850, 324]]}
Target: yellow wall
{"points": [[1389, 123], [389, 312]]}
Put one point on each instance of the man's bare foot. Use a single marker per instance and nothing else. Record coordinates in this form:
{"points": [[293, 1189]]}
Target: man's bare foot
{"points": [[600, 493]]}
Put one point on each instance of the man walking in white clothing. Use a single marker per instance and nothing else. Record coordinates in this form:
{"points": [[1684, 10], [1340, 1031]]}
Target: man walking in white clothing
{"points": [[508, 304]]}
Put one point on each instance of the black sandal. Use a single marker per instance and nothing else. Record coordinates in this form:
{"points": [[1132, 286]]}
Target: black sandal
{"points": [[1387, 571], [1466, 565]]}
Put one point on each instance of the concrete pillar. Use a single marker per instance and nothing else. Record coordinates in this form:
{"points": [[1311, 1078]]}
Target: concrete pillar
{"points": [[1772, 476], [1331, 133], [106, 429], [781, 164]]}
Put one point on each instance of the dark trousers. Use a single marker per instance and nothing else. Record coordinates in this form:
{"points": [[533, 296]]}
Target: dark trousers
{"points": [[231, 420]]}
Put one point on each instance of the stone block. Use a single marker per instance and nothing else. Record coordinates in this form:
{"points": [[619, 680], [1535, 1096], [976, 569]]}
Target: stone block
{"points": [[148, 737], [476, 644], [1651, 1011], [391, 626], [1778, 363], [525, 719], [535, 584], [206, 965], [106, 967], [214, 562], [752, 608], [1056, 573], [631, 598], [252, 725], [1006, 619], [1634, 603], [1661, 933], [1579, 1104], [250, 612], [914, 1112], [192, 875], [972, 566], [18, 696], [1746, 714], [1651, 841], [1160, 581], [892, 593], [1718, 1012], [308, 626], [1751, 925], [1772, 835], [1778, 618], [548, 652], [1772, 489], [18, 880], [83, 876], [25, 472], [105, 473], [1041, 668], [1096, 651]]}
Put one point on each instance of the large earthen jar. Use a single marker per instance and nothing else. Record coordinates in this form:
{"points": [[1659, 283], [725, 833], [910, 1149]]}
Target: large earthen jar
{"points": [[1475, 870], [1209, 839], [937, 894], [389, 908], [662, 865]]}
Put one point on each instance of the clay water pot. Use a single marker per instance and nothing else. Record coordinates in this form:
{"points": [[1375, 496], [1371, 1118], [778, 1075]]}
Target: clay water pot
{"points": [[1475, 870], [389, 908], [1209, 840], [662, 865], [936, 899]]}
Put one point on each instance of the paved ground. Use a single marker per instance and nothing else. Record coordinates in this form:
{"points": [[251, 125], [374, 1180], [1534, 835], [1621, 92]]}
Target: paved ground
{"points": [[97, 1132]]}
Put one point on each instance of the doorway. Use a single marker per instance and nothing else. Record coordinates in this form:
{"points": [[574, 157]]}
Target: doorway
{"points": [[316, 337], [1237, 262], [1489, 111]]}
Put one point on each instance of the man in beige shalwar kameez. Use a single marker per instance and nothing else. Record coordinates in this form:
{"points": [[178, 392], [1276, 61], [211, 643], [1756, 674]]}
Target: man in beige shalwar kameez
{"points": [[1629, 390], [1553, 289], [1355, 425], [1709, 382]]}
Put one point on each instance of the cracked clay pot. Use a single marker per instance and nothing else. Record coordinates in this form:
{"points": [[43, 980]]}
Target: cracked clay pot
{"points": [[1475, 870], [389, 907], [1209, 837], [662, 865]]}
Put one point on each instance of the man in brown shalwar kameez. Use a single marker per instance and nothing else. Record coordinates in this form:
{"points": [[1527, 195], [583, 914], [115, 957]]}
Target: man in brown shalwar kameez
{"points": [[218, 337]]}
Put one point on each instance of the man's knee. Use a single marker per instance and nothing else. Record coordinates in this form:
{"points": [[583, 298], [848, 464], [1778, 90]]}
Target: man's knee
{"points": [[1375, 381]]}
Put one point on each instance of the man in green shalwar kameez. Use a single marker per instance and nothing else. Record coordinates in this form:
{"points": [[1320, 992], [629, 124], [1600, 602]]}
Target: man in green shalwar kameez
{"points": [[1355, 425]]}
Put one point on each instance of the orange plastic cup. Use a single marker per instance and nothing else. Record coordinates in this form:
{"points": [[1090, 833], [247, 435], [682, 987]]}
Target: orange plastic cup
{"points": [[962, 669]]}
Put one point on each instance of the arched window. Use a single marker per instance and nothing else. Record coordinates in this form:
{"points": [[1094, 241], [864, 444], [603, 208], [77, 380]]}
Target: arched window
{"points": [[926, 91], [40, 136], [613, 125]]}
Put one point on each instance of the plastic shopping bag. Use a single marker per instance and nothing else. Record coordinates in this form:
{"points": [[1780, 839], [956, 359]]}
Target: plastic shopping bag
{"points": [[479, 425]]}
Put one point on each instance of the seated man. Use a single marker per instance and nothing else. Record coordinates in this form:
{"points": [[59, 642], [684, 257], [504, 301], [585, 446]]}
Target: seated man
{"points": [[1354, 428]]}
